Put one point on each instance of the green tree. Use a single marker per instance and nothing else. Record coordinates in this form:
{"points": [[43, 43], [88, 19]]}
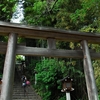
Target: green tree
{"points": [[50, 71], [7, 8], [47, 74], [80, 15]]}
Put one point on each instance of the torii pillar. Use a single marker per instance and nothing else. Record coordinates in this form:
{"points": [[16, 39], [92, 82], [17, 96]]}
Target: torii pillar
{"points": [[9, 68], [89, 74]]}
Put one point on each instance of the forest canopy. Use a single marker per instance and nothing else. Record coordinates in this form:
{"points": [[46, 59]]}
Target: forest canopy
{"points": [[78, 15]]}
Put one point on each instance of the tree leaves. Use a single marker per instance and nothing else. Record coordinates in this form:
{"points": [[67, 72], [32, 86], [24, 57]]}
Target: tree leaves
{"points": [[6, 9], [80, 15]]}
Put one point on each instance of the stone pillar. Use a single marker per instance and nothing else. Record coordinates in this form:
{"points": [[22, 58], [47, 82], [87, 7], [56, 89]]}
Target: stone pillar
{"points": [[89, 74], [9, 68]]}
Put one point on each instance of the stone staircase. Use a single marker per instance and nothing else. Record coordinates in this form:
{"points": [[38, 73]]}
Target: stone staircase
{"points": [[19, 94], [18, 90]]}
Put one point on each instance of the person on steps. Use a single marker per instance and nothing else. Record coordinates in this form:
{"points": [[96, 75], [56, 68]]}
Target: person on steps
{"points": [[24, 79]]}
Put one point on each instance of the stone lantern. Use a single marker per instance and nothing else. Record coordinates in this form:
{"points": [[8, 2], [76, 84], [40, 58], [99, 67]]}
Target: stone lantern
{"points": [[67, 86]]}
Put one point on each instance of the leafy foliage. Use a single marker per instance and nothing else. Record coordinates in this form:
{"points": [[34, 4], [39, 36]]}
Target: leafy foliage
{"points": [[49, 72], [81, 15], [7, 8], [96, 64]]}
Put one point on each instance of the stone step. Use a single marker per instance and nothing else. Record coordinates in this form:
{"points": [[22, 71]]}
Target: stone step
{"points": [[19, 94]]}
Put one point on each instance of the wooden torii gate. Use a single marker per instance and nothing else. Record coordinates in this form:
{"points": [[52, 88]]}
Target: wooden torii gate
{"points": [[13, 31]]}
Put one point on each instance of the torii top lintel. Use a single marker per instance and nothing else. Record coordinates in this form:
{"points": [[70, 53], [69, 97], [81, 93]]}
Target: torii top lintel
{"points": [[47, 32]]}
